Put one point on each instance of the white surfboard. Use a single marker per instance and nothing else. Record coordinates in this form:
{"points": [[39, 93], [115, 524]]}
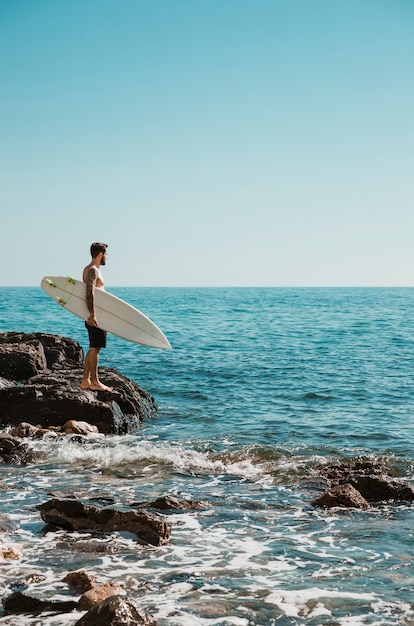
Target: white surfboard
{"points": [[113, 314]]}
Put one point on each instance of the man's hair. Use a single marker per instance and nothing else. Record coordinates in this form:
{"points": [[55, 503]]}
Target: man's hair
{"points": [[97, 247]]}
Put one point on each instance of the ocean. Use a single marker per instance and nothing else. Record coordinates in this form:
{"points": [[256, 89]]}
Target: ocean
{"points": [[263, 388]]}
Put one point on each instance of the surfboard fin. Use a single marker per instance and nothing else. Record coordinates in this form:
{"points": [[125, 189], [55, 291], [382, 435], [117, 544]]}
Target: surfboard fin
{"points": [[71, 280], [61, 301], [50, 282]]}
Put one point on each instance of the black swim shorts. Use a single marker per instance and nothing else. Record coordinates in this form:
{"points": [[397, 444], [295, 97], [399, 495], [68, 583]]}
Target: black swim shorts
{"points": [[97, 336]]}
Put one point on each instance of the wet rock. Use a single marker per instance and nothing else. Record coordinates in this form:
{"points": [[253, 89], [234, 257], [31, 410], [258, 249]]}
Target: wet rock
{"points": [[14, 450], [371, 480], [93, 546], [79, 428], [74, 515], [343, 496], [34, 579], [97, 594], [24, 429], [9, 553], [20, 603], [51, 369], [116, 611], [382, 488], [79, 581], [170, 503]]}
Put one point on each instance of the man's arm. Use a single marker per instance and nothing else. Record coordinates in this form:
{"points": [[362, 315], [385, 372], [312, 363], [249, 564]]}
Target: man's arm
{"points": [[91, 279]]}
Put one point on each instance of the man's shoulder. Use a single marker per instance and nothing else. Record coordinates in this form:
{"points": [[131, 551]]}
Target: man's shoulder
{"points": [[90, 272]]}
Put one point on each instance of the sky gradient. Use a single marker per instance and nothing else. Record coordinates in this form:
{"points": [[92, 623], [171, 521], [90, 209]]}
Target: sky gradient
{"points": [[208, 142]]}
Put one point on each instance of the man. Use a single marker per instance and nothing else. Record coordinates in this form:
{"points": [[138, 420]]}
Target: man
{"points": [[93, 278]]}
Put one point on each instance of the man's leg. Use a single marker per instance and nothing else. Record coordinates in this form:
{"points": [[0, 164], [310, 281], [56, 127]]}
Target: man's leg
{"points": [[90, 375], [90, 371]]}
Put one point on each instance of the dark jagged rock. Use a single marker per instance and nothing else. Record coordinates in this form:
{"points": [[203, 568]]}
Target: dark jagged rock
{"points": [[21, 365], [56, 349], [342, 495], [79, 581], [382, 489], [370, 480], [18, 602], [116, 611], [74, 515], [50, 367], [14, 450]]}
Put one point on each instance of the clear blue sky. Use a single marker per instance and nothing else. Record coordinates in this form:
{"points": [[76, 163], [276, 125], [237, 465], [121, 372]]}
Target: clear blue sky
{"points": [[209, 142]]}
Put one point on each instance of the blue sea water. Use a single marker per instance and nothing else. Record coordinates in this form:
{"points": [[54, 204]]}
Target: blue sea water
{"points": [[263, 388]]}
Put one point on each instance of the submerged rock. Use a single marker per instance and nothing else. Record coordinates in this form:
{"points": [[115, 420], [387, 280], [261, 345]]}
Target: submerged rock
{"points": [[170, 503], [44, 374], [74, 515], [20, 603]]}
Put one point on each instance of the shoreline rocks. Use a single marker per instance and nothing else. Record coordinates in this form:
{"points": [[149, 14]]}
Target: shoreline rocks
{"points": [[361, 484], [40, 378], [75, 515]]}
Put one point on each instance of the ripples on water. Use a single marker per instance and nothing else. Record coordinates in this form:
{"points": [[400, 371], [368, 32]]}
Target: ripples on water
{"points": [[262, 388]]}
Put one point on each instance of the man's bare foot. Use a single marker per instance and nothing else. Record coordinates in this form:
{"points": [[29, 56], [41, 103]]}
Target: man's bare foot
{"points": [[85, 384], [98, 386]]}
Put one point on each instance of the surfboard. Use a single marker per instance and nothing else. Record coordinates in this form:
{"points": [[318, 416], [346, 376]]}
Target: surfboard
{"points": [[113, 314]]}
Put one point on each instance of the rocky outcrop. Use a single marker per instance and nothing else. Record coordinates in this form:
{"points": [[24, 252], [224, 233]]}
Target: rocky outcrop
{"points": [[75, 515], [361, 484], [40, 376]]}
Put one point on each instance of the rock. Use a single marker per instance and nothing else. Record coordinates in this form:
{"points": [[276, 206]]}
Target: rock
{"points": [[79, 428], [9, 553], [116, 611], [74, 515], [24, 429], [34, 579], [382, 488], [170, 503], [97, 595], [14, 450], [57, 350], [79, 581], [342, 495], [20, 603], [371, 479], [19, 365], [50, 367]]}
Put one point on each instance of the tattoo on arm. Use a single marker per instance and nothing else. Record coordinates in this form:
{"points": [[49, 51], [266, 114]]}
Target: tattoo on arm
{"points": [[90, 286]]}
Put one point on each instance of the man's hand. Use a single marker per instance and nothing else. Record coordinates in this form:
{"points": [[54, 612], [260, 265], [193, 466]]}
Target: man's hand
{"points": [[92, 321]]}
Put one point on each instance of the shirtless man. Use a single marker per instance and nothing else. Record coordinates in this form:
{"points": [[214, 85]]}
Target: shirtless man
{"points": [[93, 278]]}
